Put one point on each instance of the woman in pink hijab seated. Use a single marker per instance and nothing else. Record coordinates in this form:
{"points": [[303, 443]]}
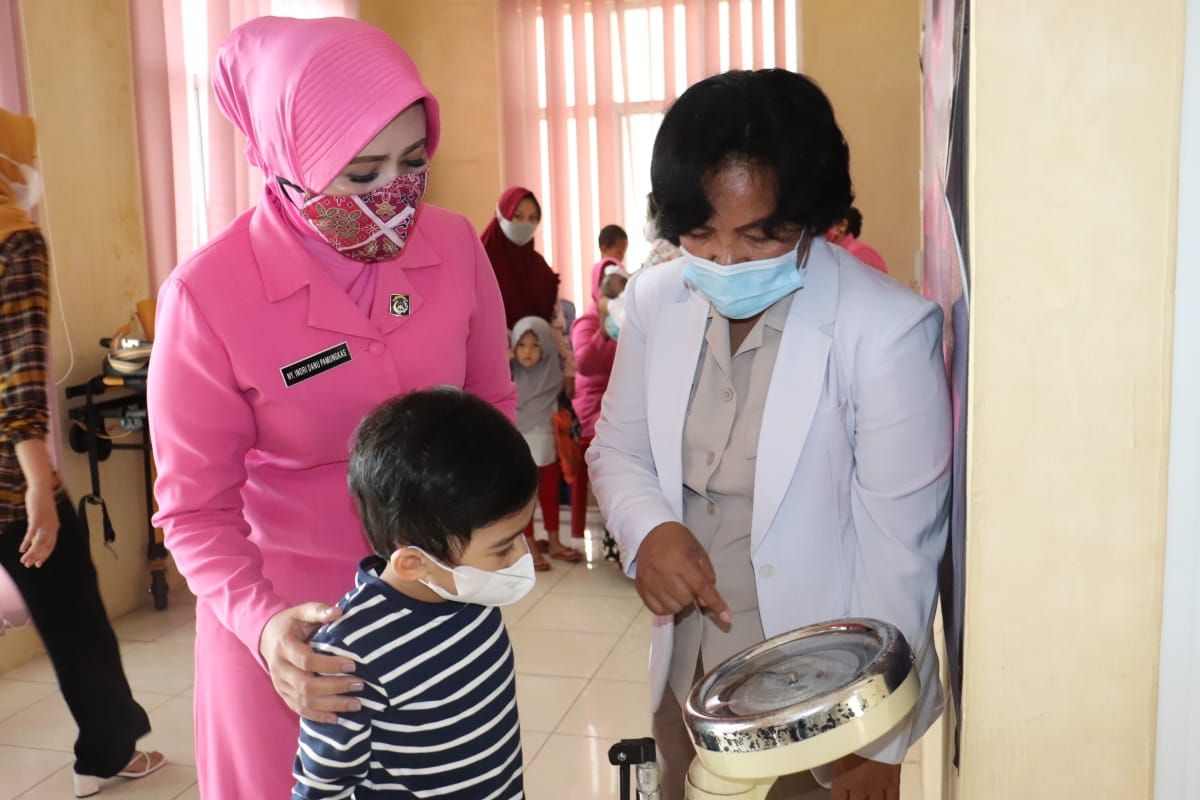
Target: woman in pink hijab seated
{"points": [[341, 289]]}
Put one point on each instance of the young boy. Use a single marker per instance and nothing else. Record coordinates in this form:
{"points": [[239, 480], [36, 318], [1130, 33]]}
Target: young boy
{"points": [[445, 487], [613, 243]]}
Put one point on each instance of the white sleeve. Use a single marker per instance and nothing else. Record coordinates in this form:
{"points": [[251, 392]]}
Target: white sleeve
{"points": [[899, 498]]}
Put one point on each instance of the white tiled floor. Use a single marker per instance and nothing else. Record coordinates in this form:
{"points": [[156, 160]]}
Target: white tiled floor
{"points": [[581, 640]]}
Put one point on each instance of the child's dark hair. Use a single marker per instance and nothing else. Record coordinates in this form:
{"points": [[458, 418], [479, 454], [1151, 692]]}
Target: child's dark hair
{"points": [[853, 222], [429, 468], [611, 235]]}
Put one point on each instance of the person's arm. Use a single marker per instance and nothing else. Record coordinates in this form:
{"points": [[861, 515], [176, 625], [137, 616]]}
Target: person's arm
{"points": [[41, 511], [593, 348], [24, 405], [565, 354], [489, 375], [900, 490], [671, 568], [202, 429], [559, 325], [334, 757]]}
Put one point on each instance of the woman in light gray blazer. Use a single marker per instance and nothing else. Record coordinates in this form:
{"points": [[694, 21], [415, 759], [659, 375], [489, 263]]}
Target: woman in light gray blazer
{"points": [[774, 447]]}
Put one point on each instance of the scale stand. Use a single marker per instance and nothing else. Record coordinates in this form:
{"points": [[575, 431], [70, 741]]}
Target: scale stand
{"points": [[638, 753]]}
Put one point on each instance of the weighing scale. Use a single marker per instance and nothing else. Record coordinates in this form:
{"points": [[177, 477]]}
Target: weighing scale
{"points": [[794, 702]]}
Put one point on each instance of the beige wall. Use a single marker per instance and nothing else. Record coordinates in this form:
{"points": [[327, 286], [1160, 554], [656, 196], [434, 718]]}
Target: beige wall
{"points": [[454, 43], [1074, 142], [868, 61], [81, 93]]}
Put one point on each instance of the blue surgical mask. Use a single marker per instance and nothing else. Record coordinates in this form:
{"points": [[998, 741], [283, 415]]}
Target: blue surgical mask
{"points": [[741, 291], [611, 327], [615, 317]]}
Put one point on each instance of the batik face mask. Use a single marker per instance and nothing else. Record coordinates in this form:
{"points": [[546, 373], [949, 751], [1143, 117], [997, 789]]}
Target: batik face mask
{"points": [[367, 227]]}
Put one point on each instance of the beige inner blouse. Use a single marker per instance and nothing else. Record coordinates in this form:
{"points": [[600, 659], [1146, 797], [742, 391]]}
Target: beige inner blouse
{"points": [[720, 449]]}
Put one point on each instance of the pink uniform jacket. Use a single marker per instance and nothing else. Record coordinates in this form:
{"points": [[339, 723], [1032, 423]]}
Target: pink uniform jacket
{"points": [[263, 366], [594, 355], [262, 369]]}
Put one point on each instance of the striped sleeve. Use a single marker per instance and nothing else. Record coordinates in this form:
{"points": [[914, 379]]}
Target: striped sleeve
{"points": [[335, 758]]}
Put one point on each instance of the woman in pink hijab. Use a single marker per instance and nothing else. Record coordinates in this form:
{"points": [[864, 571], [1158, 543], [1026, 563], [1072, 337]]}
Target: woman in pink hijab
{"points": [[341, 289]]}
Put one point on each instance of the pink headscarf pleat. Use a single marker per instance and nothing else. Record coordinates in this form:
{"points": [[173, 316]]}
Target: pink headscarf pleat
{"points": [[309, 94]]}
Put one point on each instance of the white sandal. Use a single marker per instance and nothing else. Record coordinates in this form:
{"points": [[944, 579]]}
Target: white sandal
{"points": [[143, 763]]}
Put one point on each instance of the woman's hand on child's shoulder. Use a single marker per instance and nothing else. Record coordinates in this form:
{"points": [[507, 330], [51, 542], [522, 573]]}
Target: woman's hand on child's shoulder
{"points": [[312, 684]]}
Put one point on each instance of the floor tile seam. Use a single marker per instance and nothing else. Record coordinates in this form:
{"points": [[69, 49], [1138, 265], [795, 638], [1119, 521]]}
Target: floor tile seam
{"points": [[582, 692], [587, 736], [160, 642], [183, 695], [576, 676], [583, 593], [68, 751], [536, 627], [52, 681], [163, 639], [520, 626], [167, 701], [22, 709], [43, 780], [565, 711], [613, 680], [187, 789], [539, 749]]}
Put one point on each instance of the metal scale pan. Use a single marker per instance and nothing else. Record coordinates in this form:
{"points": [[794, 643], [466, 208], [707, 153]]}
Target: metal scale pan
{"points": [[797, 701]]}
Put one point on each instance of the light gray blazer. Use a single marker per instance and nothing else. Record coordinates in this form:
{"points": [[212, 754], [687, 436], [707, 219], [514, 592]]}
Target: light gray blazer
{"points": [[853, 475]]}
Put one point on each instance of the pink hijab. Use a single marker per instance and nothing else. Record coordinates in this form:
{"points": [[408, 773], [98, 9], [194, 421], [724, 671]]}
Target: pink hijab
{"points": [[309, 94]]}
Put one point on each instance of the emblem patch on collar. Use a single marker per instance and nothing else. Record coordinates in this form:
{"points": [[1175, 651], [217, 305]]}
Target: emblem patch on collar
{"points": [[401, 305]]}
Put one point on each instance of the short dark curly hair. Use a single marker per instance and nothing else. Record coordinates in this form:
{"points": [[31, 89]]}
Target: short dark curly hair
{"points": [[771, 117]]}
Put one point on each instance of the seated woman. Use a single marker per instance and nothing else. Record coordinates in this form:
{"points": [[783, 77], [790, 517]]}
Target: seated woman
{"points": [[774, 447]]}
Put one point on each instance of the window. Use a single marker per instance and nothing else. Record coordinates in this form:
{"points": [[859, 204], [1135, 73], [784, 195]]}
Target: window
{"points": [[585, 94], [221, 183]]}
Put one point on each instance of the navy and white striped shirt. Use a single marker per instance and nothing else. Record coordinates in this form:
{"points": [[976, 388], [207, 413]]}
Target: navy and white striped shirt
{"points": [[439, 704]]}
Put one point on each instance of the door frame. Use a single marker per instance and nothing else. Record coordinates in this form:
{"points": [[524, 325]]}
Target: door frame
{"points": [[1177, 770]]}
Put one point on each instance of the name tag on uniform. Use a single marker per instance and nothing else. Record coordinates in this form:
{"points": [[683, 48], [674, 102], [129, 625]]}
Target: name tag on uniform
{"points": [[314, 365]]}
